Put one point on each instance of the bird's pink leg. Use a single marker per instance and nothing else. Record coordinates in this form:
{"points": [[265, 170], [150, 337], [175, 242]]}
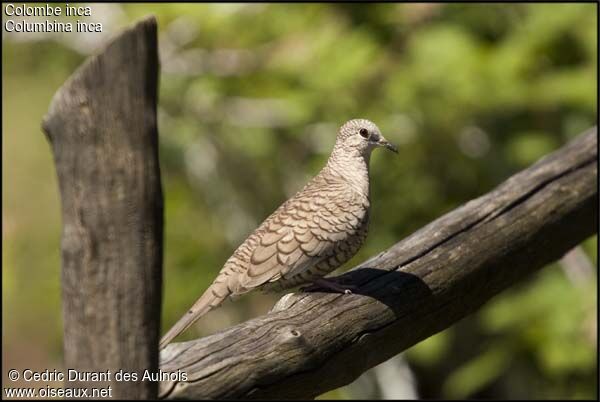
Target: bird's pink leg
{"points": [[323, 283]]}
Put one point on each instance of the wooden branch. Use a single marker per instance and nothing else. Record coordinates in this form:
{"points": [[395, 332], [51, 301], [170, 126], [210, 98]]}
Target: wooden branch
{"points": [[102, 130], [314, 342]]}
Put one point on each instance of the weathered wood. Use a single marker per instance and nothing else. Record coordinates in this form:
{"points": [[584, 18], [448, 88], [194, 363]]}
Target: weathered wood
{"points": [[314, 342], [101, 126]]}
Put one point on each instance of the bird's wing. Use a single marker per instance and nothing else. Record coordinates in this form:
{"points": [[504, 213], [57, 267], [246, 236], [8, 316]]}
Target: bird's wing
{"points": [[302, 232]]}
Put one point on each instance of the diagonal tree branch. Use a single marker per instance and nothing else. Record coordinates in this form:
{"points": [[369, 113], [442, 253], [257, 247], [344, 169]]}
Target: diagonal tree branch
{"points": [[314, 342]]}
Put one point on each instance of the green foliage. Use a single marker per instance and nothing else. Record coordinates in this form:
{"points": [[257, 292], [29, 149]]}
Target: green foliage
{"points": [[477, 373], [250, 98], [560, 340]]}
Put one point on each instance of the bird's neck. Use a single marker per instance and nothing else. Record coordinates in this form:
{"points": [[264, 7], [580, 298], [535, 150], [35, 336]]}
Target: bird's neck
{"points": [[353, 167]]}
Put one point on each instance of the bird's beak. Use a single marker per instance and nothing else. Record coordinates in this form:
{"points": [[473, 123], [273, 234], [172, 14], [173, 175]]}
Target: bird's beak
{"points": [[385, 143]]}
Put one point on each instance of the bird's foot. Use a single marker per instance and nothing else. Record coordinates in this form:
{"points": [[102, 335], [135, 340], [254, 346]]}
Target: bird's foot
{"points": [[329, 284]]}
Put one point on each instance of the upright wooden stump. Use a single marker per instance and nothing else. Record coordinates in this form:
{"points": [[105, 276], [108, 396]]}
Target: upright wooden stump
{"points": [[101, 126]]}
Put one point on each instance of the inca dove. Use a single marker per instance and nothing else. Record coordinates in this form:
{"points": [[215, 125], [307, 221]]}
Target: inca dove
{"points": [[310, 235]]}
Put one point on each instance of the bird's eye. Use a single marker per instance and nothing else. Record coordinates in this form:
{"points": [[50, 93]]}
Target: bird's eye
{"points": [[364, 133]]}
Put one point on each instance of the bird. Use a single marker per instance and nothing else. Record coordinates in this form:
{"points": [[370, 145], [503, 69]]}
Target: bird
{"points": [[310, 235]]}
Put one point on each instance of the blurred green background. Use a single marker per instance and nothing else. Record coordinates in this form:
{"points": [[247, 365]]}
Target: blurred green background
{"points": [[251, 97]]}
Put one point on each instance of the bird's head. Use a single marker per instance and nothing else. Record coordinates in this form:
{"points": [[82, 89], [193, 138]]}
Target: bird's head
{"points": [[363, 136]]}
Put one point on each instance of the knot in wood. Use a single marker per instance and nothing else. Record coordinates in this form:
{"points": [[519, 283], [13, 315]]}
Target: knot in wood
{"points": [[291, 334]]}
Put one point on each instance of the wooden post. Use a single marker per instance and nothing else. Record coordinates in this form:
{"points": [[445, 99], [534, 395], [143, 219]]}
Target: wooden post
{"points": [[101, 126]]}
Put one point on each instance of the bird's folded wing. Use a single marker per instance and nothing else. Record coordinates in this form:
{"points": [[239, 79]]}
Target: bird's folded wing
{"points": [[301, 233]]}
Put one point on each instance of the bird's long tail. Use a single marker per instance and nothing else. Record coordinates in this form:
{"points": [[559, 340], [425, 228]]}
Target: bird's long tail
{"points": [[209, 300]]}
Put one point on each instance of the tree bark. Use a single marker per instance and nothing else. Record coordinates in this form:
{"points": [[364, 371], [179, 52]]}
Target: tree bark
{"points": [[314, 342], [101, 126]]}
